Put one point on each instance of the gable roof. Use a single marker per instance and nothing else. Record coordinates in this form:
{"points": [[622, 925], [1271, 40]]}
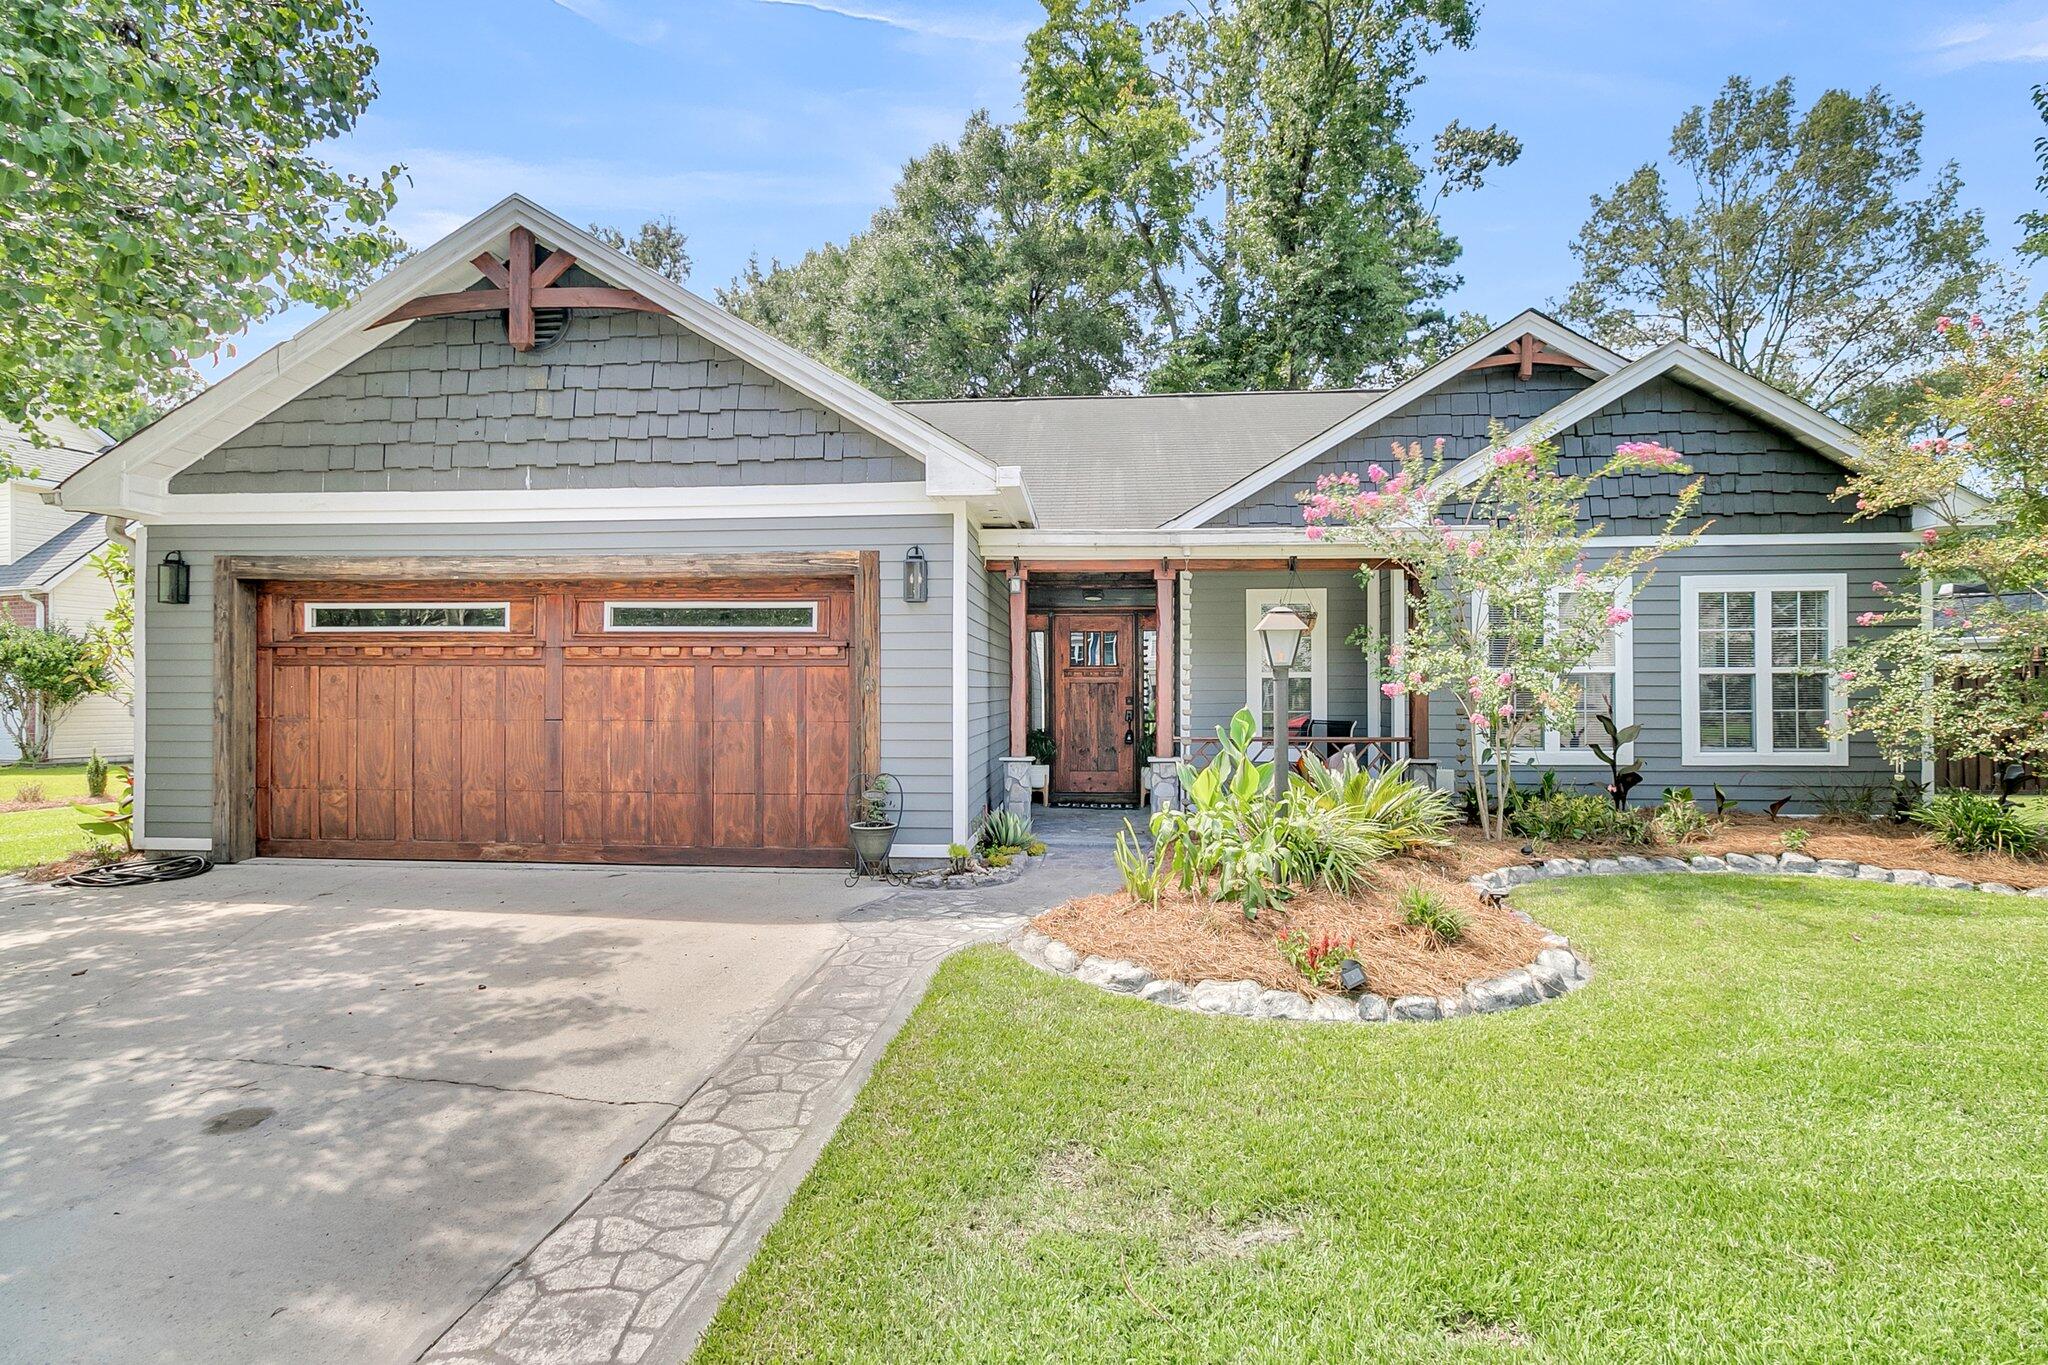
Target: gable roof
{"points": [[134, 477], [71, 448], [1546, 329], [1132, 461], [50, 561]]}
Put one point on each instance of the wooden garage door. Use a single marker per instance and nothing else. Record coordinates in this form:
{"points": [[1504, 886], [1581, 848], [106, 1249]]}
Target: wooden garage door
{"points": [[684, 721]]}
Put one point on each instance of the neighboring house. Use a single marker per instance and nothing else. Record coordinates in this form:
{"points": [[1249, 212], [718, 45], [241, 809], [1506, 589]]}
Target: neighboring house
{"points": [[530, 553], [47, 577]]}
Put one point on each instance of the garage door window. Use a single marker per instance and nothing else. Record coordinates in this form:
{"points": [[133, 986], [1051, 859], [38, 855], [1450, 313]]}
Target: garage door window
{"points": [[409, 616], [753, 618]]}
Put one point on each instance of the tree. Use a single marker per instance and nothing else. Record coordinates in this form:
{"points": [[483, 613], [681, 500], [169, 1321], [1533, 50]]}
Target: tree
{"points": [[44, 672], [659, 245], [2035, 223], [157, 190], [1515, 601], [974, 281], [110, 641], [1253, 153], [1959, 672], [1802, 248]]}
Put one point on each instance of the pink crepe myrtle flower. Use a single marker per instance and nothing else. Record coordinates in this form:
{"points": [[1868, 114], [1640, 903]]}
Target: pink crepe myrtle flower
{"points": [[1369, 499], [1394, 655], [1414, 680], [1928, 536], [1863, 504], [1314, 533], [1480, 722], [1474, 548], [2007, 401], [1504, 680], [1650, 452], [1877, 585], [1619, 615], [1949, 612], [1977, 321], [1943, 323], [1376, 474], [1580, 578], [1513, 455], [1848, 675], [1869, 618], [1507, 711], [1390, 689]]}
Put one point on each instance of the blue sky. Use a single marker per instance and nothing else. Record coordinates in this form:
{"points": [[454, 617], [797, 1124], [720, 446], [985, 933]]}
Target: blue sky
{"points": [[773, 125]]}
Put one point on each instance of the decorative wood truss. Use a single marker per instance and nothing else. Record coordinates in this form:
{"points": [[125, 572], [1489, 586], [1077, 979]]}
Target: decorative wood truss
{"points": [[520, 287], [1525, 353]]}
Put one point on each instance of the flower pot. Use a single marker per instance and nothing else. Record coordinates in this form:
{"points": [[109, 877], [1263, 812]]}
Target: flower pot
{"points": [[871, 839], [1041, 776]]}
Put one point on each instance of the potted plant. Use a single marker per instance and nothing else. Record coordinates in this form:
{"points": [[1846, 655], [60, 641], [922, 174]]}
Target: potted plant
{"points": [[1039, 744], [873, 825]]}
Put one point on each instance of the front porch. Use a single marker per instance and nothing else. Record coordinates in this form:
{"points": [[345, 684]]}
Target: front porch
{"points": [[1122, 668]]}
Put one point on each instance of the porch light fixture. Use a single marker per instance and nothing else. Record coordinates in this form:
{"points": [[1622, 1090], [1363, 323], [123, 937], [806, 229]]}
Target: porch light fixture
{"points": [[917, 576], [174, 580], [1280, 632]]}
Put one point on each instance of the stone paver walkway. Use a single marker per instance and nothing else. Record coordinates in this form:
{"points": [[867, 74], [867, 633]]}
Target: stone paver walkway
{"points": [[637, 1271]]}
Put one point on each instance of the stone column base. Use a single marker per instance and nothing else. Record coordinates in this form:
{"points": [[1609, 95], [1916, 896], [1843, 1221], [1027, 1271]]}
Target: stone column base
{"points": [[1017, 786], [1162, 783]]}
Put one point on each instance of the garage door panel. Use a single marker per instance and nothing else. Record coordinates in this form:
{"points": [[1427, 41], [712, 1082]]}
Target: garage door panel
{"points": [[529, 756]]}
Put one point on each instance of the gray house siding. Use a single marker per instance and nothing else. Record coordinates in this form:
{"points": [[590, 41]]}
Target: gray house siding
{"points": [[624, 400], [1658, 683], [1460, 410], [988, 681], [1219, 640], [916, 639]]}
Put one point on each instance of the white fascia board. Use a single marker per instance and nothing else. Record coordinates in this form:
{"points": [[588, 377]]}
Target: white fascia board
{"points": [[1220, 543], [1598, 359], [784, 501], [259, 388]]}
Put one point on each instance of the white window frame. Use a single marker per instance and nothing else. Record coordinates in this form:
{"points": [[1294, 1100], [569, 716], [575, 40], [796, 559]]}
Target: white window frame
{"points": [[1256, 600], [377, 604], [1553, 752], [613, 628], [1761, 585]]}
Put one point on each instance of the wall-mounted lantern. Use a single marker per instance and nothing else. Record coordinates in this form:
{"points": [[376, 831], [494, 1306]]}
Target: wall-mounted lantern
{"points": [[174, 580], [917, 576]]}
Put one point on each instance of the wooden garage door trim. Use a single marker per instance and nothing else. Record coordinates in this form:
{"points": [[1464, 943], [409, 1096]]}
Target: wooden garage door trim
{"points": [[235, 591]]}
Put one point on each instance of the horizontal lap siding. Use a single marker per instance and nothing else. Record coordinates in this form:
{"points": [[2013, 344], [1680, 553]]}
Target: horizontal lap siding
{"points": [[1218, 641], [988, 679], [916, 651], [1658, 685]]}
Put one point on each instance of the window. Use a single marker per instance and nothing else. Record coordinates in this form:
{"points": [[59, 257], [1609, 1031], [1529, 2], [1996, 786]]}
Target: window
{"points": [[441, 616], [713, 617], [1092, 649], [1308, 683], [1754, 654], [1605, 682]]}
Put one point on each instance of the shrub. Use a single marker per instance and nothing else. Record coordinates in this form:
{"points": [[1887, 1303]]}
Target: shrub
{"points": [[1678, 819], [96, 776], [1320, 960], [1422, 908], [1793, 840], [1579, 817], [29, 793], [1002, 829], [44, 671], [1972, 823]]}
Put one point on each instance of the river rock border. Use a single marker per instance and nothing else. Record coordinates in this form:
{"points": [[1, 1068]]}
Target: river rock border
{"points": [[1558, 969]]}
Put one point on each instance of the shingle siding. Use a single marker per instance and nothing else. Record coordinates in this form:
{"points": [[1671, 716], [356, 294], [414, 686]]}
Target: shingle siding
{"points": [[916, 656], [625, 400]]}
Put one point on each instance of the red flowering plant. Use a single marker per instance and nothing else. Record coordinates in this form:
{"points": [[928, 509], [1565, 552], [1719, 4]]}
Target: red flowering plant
{"points": [[1320, 959], [1516, 600], [1959, 669]]}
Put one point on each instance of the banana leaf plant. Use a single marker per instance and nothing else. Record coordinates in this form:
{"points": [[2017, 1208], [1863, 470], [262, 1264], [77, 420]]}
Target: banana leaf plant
{"points": [[1622, 777], [115, 819]]}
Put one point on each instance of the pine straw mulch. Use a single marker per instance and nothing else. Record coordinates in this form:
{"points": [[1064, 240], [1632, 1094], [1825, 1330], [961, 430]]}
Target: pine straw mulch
{"points": [[1191, 938], [64, 867]]}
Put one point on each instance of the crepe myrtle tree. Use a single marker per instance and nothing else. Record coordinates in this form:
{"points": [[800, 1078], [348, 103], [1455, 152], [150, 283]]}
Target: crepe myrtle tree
{"points": [[1513, 604], [1960, 671]]}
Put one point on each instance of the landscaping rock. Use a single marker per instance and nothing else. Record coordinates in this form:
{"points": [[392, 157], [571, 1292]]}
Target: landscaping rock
{"points": [[1270, 1004], [1870, 872], [1112, 974], [1451, 1006], [1708, 863], [1750, 862], [1517, 874], [1797, 863], [1634, 865], [1837, 867], [1549, 979], [1415, 1009], [1556, 941], [2039, 893], [1664, 864], [1998, 889], [1170, 993], [1948, 883], [1912, 876], [1560, 960], [1061, 958], [1506, 992], [1603, 867], [1565, 867], [1522, 916], [1224, 997], [1331, 1009], [1372, 1009]]}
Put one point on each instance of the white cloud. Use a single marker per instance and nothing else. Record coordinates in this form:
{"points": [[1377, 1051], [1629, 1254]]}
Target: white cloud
{"points": [[612, 20], [970, 28], [2012, 34]]}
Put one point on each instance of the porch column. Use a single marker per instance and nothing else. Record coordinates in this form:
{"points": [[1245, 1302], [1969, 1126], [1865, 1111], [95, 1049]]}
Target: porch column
{"points": [[1165, 662], [1020, 659]]}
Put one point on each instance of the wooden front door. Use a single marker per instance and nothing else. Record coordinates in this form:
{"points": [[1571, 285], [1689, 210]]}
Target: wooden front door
{"points": [[686, 721], [1094, 705]]}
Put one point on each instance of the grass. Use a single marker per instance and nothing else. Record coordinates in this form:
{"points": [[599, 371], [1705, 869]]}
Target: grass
{"points": [[1789, 1119], [59, 781], [31, 837]]}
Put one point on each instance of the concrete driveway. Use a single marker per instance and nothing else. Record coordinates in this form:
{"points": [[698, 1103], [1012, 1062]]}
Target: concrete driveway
{"points": [[312, 1111]]}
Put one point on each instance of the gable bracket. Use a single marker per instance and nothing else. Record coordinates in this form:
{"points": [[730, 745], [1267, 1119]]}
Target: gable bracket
{"points": [[1525, 353], [520, 287]]}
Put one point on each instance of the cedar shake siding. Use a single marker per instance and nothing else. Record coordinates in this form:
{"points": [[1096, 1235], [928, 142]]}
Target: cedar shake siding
{"points": [[624, 400]]}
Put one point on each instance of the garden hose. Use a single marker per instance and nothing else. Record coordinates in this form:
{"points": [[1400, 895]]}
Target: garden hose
{"points": [[142, 873]]}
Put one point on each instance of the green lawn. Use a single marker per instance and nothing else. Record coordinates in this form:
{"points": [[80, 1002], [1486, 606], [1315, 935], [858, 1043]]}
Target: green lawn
{"points": [[29, 837], [1789, 1119], [59, 781]]}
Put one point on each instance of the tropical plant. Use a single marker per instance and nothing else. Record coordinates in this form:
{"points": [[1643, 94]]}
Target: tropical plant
{"points": [[1678, 819], [44, 672], [1039, 744], [1970, 822], [1423, 908], [96, 776], [1578, 817], [1320, 959], [116, 819], [1517, 598], [1404, 813], [1003, 829], [1144, 873], [1622, 778]]}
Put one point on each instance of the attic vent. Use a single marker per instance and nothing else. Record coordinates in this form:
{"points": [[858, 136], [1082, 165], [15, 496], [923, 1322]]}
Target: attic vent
{"points": [[550, 325]]}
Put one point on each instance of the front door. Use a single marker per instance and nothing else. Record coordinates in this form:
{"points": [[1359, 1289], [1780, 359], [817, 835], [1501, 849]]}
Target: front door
{"points": [[1094, 706]]}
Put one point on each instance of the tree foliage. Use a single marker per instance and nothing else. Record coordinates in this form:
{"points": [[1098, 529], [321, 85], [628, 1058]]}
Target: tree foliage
{"points": [[1254, 153], [1961, 674], [1517, 597], [44, 672], [973, 281], [1803, 247], [659, 245], [158, 189], [2034, 222], [110, 641]]}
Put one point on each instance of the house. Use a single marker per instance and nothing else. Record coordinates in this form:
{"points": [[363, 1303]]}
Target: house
{"points": [[530, 553], [47, 576]]}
